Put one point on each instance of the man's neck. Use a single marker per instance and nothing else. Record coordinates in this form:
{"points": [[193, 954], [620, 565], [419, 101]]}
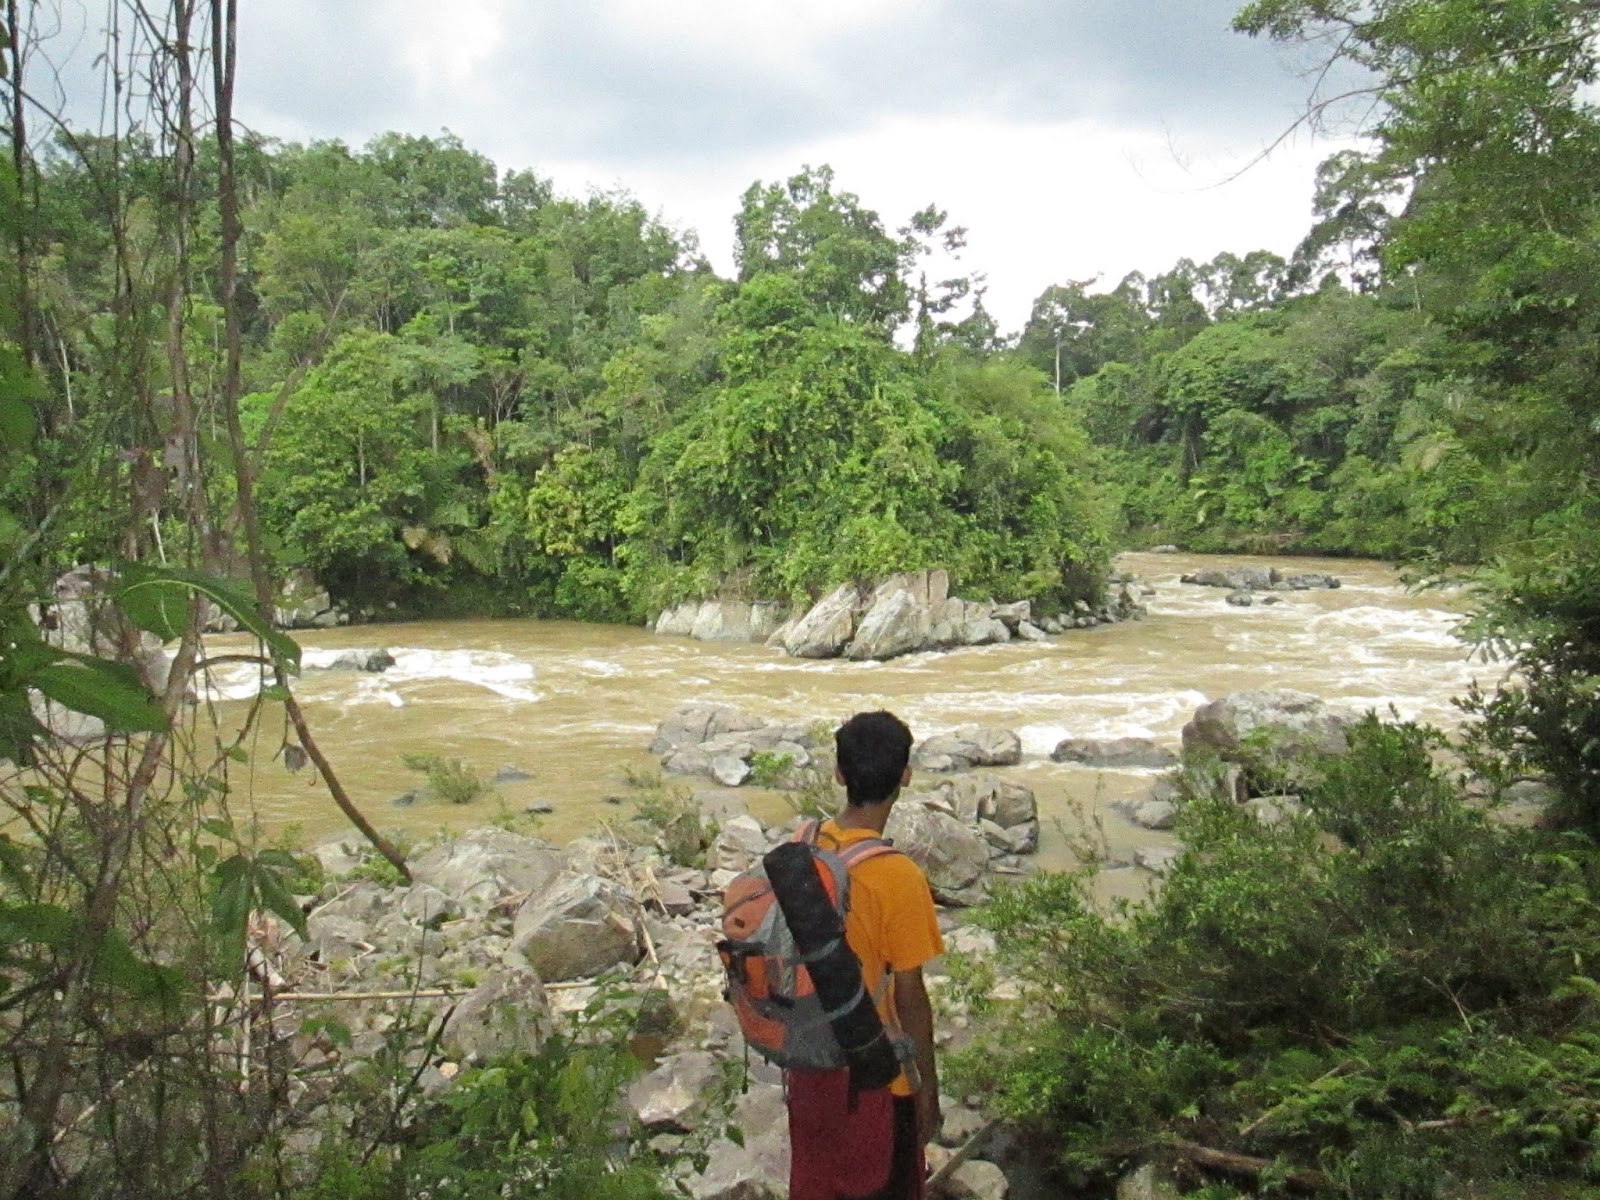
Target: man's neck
{"points": [[866, 816]]}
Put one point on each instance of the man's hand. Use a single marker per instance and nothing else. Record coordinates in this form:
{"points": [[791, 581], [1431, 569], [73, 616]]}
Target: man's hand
{"points": [[915, 1014]]}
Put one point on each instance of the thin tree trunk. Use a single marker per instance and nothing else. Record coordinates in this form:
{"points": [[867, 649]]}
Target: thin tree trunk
{"points": [[224, 42], [21, 224]]}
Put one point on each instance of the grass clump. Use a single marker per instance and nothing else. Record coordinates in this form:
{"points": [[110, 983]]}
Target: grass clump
{"points": [[677, 823], [449, 779]]}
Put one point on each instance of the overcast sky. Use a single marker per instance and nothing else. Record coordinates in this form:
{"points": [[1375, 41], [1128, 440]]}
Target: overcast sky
{"points": [[1072, 137]]}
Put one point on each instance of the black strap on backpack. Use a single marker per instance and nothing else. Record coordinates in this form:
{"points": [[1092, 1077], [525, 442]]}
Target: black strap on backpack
{"points": [[835, 972]]}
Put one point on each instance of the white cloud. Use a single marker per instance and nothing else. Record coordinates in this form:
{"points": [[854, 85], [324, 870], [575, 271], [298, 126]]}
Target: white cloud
{"points": [[1042, 203]]}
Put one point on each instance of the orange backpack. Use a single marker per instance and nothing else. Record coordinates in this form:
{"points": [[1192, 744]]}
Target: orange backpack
{"points": [[768, 984]]}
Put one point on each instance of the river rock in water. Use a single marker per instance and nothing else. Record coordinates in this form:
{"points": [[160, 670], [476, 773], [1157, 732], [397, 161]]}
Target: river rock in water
{"points": [[1298, 722], [967, 747], [827, 628], [1113, 753]]}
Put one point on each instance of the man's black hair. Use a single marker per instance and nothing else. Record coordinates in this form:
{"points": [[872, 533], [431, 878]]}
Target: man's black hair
{"points": [[873, 749]]}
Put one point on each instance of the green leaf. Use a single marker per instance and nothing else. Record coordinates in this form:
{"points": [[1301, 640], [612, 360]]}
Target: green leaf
{"points": [[275, 898], [151, 596], [17, 422], [47, 925], [219, 827], [101, 689]]}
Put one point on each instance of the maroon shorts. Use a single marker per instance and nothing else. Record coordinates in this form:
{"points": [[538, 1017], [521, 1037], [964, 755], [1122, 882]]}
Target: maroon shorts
{"points": [[844, 1147]]}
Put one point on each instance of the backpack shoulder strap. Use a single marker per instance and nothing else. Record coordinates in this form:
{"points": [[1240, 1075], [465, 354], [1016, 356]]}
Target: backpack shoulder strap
{"points": [[860, 851]]}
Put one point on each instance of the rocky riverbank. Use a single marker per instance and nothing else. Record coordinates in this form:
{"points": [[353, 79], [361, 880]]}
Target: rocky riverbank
{"points": [[903, 614], [502, 937]]}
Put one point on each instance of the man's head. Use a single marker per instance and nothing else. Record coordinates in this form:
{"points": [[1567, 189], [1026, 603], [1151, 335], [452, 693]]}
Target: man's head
{"points": [[873, 750]]}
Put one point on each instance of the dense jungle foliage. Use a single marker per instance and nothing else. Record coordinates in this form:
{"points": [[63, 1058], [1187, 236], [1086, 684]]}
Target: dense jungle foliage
{"points": [[441, 387]]}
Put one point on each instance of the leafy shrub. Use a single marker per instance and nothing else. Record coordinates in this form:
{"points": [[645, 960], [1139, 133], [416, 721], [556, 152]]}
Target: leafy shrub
{"points": [[1377, 990], [769, 768]]}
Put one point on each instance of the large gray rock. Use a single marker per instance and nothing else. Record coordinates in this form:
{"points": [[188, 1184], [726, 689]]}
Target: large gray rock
{"points": [[969, 746], [1156, 814], [976, 1179], [1013, 615], [827, 627], [1235, 579], [740, 842], [896, 624], [692, 724], [673, 1097], [729, 770], [953, 855], [678, 620], [1113, 753], [988, 797], [580, 926], [372, 661], [507, 1013], [1296, 722], [481, 867], [723, 621], [759, 1168], [1307, 581], [930, 589]]}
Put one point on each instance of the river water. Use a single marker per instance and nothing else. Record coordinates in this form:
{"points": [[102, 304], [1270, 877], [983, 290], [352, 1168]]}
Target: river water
{"points": [[574, 705]]}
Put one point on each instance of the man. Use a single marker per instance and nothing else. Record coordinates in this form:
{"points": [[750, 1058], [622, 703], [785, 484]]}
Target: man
{"points": [[869, 1144]]}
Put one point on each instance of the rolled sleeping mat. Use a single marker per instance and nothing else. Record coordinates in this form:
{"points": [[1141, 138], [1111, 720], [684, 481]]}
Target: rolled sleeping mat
{"points": [[818, 933]]}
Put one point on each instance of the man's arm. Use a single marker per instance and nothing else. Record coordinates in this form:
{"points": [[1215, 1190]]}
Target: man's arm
{"points": [[915, 1012]]}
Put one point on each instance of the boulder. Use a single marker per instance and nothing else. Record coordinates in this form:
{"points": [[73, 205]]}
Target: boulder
{"points": [[1274, 812], [425, 904], [373, 661], [755, 1168], [1235, 579], [1113, 753], [673, 1098], [951, 854], [692, 724], [976, 1179], [740, 842], [1029, 632], [678, 620], [481, 867], [580, 926], [1307, 581], [1156, 814], [969, 746], [507, 1013], [729, 770], [985, 796], [723, 621], [1013, 615], [827, 627], [1298, 723], [1240, 599], [930, 589], [896, 624]]}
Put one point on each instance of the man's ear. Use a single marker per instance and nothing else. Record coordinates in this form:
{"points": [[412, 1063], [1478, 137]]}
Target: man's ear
{"points": [[905, 776], [838, 775]]}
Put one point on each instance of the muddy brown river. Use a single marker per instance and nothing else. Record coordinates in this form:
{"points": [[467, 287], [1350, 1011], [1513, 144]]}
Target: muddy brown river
{"points": [[573, 705]]}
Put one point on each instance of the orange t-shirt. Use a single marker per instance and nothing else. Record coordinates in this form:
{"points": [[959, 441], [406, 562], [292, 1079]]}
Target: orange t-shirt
{"points": [[892, 924]]}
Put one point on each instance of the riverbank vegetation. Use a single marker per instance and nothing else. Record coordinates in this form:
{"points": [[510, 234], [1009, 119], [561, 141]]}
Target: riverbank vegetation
{"points": [[442, 387]]}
